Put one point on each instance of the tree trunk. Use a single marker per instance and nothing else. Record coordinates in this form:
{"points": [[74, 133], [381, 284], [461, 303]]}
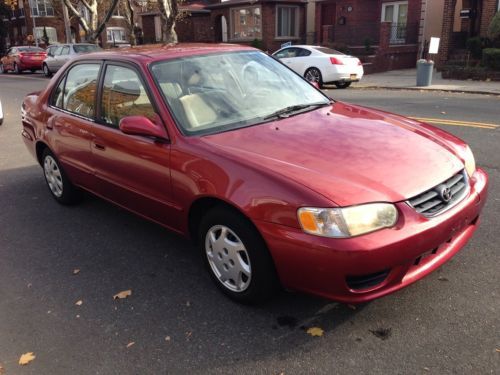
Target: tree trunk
{"points": [[169, 12]]}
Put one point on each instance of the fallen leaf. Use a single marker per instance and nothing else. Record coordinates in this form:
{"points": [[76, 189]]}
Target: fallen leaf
{"points": [[2, 370], [79, 303], [315, 331], [123, 294], [78, 316], [442, 278], [497, 350], [130, 344], [352, 307], [26, 358], [444, 113], [188, 335], [167, 338], [29, 285], [76, 271], [426, 369]]}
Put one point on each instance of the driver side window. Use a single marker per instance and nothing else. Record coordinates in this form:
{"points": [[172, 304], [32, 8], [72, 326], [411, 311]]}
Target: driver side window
{"points": [[123, 95]]}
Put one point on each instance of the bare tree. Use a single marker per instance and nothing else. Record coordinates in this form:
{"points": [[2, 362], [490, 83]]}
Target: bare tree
{"points": [[169, 12], [129, 12], [94, 25]]}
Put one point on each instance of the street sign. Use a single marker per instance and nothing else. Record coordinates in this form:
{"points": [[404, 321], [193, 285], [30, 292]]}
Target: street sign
{"points": [[434, 46]]}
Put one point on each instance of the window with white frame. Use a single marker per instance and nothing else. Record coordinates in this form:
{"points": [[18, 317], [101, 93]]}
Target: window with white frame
{"points": [[42, 8], [115, 34], [246, 23], [395, 12], [51, 33], [287, 22]]}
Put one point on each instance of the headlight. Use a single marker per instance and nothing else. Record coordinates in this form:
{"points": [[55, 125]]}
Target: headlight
{"points": [[470, 163], [349, 221]]}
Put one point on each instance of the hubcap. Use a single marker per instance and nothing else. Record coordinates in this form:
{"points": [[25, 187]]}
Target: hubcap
{"points": [[228, 258], [313, 75], [46, 70], [53, 176]]}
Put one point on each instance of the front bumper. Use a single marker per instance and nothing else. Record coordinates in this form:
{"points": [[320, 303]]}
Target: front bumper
{"points": [[415, 247]]}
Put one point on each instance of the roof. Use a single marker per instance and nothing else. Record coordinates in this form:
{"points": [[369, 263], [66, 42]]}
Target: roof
{"points": [[152, 52], [229, 3]]}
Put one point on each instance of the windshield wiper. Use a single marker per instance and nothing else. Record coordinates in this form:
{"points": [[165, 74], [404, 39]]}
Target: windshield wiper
{"points": [[287, 111]]}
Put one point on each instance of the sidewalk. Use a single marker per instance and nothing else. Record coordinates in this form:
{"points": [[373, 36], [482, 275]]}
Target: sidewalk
{"points": [[406, 79]]}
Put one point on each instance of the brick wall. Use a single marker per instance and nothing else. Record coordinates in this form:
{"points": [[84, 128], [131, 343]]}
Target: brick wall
{"points": [[488, 11]]}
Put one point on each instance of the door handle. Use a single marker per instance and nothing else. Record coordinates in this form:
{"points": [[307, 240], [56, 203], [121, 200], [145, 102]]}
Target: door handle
{"points": [[98, 146]]}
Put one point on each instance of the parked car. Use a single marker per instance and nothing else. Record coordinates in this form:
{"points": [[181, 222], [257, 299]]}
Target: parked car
{"points": [[22, 58], [322, 65], [1, 113], [277, 183], [58, 55]]}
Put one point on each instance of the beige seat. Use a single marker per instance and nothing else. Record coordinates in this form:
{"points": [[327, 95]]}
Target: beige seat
{"points": [[198, 112], [171, 89]]}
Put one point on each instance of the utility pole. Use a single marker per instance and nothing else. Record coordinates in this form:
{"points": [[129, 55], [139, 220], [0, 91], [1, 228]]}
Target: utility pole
{"points": [[67, 28]]}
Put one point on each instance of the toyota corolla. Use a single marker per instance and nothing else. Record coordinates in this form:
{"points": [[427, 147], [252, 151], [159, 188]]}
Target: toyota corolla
{"points": [[278, 184]]}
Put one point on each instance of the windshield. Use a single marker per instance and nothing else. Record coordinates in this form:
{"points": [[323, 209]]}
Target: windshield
{"points": [[220, 92], [30, 49], [328, 51], [85, 48]]}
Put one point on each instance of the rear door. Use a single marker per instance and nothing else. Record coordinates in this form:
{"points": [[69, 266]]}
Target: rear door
{"points": [[71, 116], [62, 57], [132, 171]]}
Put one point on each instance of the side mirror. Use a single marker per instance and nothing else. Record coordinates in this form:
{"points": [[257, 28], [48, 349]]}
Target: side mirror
{"points": [[140, 125]]}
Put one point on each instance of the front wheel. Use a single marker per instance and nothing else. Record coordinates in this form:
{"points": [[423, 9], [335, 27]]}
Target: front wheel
{"points": [[314, 75], [342, 85], [58, 183], [237, 257]]}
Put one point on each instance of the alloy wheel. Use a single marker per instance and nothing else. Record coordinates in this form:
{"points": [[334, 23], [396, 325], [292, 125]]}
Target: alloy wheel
{"points": [[53, 176], [228, 258], [313, 75]]}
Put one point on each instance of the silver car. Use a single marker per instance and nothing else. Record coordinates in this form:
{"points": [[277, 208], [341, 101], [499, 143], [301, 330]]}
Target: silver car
{"points": [[58, 55]]}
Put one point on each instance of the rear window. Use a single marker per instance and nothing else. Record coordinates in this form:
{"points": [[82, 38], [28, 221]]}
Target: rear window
{"points": [[328, 51], [30, 49], [86, 48]]}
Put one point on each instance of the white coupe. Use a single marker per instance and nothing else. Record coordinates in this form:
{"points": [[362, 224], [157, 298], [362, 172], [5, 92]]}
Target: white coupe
{"points": [[321, 64]]}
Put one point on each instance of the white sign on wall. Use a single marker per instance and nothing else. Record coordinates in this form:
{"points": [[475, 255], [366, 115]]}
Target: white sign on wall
{"points": [[434, 46]]}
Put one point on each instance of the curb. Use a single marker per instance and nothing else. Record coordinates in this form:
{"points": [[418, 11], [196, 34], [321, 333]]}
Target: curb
{"points": [[477, 92]]}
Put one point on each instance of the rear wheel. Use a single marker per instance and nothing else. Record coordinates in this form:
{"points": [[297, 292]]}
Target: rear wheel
{"points": [[342, 85], [314, 75], [237, 257], [16, 69], [46, 71], [59, 185], [2, 69]]}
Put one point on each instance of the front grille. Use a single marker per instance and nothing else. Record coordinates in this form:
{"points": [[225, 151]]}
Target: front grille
{"points": [[366, 281], [441, 197]]}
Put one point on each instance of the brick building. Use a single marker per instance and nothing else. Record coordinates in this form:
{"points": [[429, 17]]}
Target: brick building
{"points": [[25, 23], [457, 28]]}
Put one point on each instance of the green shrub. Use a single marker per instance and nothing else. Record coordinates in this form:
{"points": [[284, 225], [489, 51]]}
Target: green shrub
{"points": [[494, 29], [491, 58], [474, 45], [257, 43]]}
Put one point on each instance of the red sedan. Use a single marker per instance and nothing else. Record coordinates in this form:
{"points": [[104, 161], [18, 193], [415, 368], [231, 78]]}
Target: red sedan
{"points": [[277, 183], [22, 58]]}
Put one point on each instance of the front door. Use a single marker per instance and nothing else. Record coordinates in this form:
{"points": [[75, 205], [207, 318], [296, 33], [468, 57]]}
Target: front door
{"points": [[132, 171], [328, 17]]}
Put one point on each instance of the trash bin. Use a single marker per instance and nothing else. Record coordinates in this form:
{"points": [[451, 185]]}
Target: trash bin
{"points": [[424, 72]]}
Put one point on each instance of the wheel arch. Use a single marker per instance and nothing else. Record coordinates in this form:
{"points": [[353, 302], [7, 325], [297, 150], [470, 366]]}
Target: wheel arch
{"points": [[202, 205], [39, 149]]}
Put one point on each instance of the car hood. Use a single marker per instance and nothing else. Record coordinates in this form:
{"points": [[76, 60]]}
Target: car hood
{"points": [[349, 154]]}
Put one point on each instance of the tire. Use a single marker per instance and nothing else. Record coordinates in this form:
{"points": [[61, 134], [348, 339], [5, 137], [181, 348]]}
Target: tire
{"points": [[2, 69], [342, 85], [241, 265], [60, 187], [47, 71], [16, 69], [314, 75], [32, 70]]}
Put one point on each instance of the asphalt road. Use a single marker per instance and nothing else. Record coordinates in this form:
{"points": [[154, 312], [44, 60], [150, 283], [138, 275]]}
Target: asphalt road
{"points": [[448, 323]]}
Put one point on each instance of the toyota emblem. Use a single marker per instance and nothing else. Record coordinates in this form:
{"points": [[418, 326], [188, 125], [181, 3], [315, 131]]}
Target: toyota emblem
{"points": [[445, 193]]}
